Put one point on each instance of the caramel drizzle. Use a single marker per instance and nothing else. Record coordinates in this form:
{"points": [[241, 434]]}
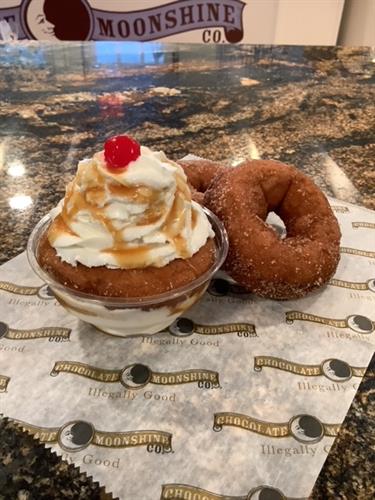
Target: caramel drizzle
{"points": [[194, 218], [175, 221], [92, 200]]}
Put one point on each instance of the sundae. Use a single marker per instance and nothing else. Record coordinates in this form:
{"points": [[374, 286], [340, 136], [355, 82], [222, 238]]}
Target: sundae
{"points": [[127, 249]]}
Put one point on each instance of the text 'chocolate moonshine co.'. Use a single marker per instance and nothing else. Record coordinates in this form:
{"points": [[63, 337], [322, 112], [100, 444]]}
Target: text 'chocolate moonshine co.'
{"points": [[85, 20]]}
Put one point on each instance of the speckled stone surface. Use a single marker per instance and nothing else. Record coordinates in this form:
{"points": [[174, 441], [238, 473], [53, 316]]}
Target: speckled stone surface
{"points": [[348, 472], [29, 471], [312, 107]]}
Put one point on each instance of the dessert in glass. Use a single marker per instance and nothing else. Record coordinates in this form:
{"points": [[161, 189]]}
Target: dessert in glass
{"points": [[127, 249]]}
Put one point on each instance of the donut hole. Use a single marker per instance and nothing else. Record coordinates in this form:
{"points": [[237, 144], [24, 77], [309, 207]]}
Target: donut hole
{"points": [[277, 224]]}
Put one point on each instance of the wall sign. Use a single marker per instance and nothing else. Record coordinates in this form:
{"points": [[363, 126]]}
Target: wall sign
{"points": [[78, 20]]}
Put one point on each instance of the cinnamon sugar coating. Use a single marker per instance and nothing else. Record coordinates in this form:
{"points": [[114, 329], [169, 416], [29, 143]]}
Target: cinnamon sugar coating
{"points": [[200, 174], [126, 283], [258, 258]]}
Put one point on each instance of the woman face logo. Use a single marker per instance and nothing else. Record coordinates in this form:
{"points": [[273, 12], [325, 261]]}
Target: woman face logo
{"points": [[75, 436], [336, 370], [182, 327], [45, 292], [265, 493], [57, 19], [371, 284], [135, 376], [306, 429], [42, 29], [219, 287], [360, 324], [4, 329]]}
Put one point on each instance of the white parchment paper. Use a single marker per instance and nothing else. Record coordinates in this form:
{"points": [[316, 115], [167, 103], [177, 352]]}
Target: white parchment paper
{"points": [[259, 402]]}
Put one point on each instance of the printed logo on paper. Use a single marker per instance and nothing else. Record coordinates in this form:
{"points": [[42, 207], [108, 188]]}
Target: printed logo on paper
{"points": [[303, 428], [53, 333], [366, 286], [77, 20], [43, 292], [4, 381], [357, 252], [186, 491], [366, 225], [137, 376], [342, 209], [332, 368], [184, 327], [78, 434], [220, 287], [356, 322]]}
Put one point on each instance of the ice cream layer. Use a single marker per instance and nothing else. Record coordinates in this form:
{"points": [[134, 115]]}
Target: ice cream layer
{"points": [[137, 216]]}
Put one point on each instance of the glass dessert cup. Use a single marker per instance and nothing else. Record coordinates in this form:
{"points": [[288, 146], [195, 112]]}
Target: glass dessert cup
{"points": [[130, 316]]}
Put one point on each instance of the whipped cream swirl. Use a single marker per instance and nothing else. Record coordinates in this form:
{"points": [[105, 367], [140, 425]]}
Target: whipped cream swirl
{"points": [[135, 217]]}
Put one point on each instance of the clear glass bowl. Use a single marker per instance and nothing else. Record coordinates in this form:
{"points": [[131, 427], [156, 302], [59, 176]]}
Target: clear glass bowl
{"points": [[128, 317]]}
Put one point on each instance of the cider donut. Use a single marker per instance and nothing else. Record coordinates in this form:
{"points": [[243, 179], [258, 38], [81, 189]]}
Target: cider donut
{"points": [[200, 174], [258, 258], [126, 283]]}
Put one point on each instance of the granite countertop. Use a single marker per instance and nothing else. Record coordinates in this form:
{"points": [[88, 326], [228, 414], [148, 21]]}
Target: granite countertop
{"points": [[312, 107], [29, 471]]}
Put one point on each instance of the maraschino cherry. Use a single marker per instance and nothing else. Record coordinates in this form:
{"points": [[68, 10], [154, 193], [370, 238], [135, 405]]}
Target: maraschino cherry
{"points": [[120, 150]]}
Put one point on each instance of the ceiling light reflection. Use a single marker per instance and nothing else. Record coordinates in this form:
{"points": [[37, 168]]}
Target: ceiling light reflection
{"points": [[237, 162], [20, 201], [16, 169]]}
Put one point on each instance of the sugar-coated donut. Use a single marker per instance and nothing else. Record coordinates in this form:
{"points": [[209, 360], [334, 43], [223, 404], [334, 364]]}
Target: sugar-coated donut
{"points": [[200, 174], [258, 258]]}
